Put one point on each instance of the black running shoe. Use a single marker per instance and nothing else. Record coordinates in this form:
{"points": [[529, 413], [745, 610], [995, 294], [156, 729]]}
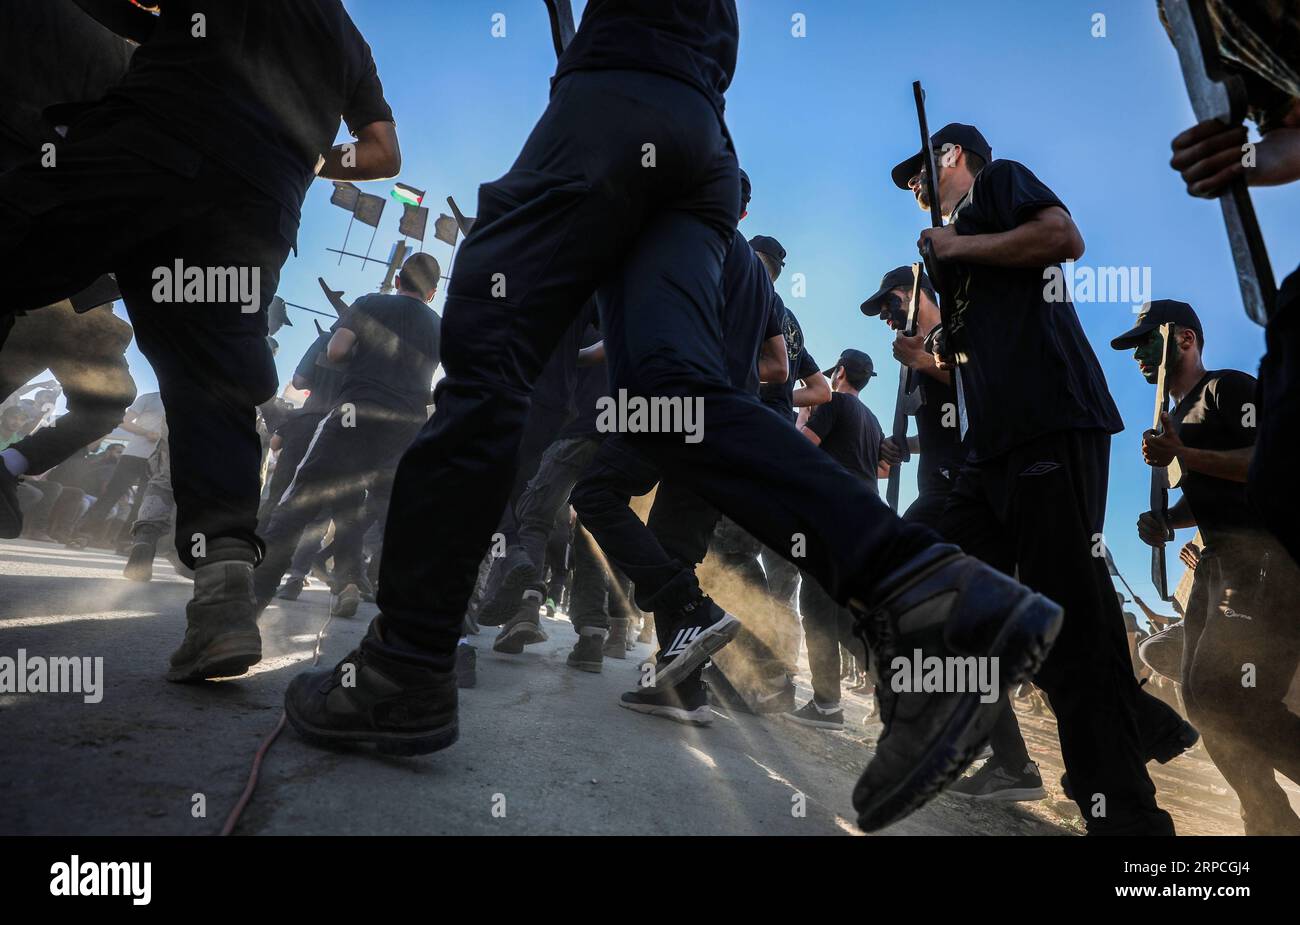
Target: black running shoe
{"points": [[703, 628], [466, 665], [942, 604], [811, 714], [368, 699], [520, 575], [588, 654], [1000, 784], [11, 515], [524, 629], [779, 699], [291, 588], [686, 703]]}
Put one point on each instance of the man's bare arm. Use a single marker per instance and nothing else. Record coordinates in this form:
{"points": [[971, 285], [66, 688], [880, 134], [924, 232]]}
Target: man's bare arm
{"points": [[816, 391], [773, 361], [121, 17], [593, 355], [1049, 237], [375, 155], [1232, 465], [341, 343]]}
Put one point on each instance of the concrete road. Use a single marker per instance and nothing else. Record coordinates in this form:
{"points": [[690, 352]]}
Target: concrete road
{"points": [[543, 749]]}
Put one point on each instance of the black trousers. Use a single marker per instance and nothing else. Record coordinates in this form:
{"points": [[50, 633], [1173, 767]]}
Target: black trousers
{"points": [[578, 212], [106, 208], [295, 437], [1040, 509], [1241, 649], [351, 444]]}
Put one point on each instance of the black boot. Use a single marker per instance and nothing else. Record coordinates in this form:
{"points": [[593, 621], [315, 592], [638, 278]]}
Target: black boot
{"points": [[519, 575], [399, 707], [524, 628], [948, 605]]}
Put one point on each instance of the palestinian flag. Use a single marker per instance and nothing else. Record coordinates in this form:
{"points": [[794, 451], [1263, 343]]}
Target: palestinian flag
{"points": [[407, 195]]}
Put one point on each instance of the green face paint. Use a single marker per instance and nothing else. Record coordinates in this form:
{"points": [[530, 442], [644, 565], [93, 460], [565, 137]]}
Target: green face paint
{"points": [[1148, 354]]}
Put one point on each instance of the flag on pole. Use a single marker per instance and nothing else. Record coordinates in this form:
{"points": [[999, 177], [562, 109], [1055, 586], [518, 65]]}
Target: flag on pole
{"points": [[345, 195], [444, 229], [407, 194], [369, 208], [414, 221]]}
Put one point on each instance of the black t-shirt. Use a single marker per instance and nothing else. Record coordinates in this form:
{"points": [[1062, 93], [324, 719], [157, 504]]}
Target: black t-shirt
{"points": [[850, 433], [324, 378], [692, 40], [396, 353], [780, 397], [939, 434], [262, 89], [54, 53], [750, 313], [1218, 414], [1031, 370]]}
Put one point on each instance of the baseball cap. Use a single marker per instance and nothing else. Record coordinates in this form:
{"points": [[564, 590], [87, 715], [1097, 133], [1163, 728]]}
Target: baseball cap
{"points": [[770, 246], [954, 133], [855, 363], [897, 278], [1154, 314]]}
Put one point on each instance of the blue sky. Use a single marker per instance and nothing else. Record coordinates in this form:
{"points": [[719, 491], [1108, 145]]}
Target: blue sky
{"points": [[818, 122]]}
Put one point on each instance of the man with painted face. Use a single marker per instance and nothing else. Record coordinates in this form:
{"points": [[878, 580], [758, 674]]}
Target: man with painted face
{"points": [[1030, 497], [937, 439], [1244, 576]]}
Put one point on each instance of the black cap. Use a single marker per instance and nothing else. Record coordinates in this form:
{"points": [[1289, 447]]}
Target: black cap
{"points": [[746, 190], [954, 133], [897, 278], [1154, 314], [856, 363], [770, 246]]}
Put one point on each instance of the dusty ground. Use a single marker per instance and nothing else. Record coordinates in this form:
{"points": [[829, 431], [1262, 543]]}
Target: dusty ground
{"points": [[546, 746]]}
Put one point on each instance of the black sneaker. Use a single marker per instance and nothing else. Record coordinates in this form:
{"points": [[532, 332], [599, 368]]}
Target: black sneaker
{"points": [[370, 699], [346, 602], [948, 605], [703, 628], [11, 515], [291, 588], [524, 628], [686, 703], [588, 654], [520, 575], [139, 565], [466, 665], [1000, 784], [810, 714]]}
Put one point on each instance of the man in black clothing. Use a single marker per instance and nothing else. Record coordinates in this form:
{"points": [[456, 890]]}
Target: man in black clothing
{"points": [[389, 346], [1241, 648], [197, 162], [848, 431], [643, 82], [1030, 498], [937, 443]]}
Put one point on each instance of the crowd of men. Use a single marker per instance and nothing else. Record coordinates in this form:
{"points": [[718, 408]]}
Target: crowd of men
{"points": [[610, 335]]}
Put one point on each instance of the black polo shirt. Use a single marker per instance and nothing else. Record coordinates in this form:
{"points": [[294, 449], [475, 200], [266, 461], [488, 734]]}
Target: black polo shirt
{"points": [[396, 353], [851, 434]]}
